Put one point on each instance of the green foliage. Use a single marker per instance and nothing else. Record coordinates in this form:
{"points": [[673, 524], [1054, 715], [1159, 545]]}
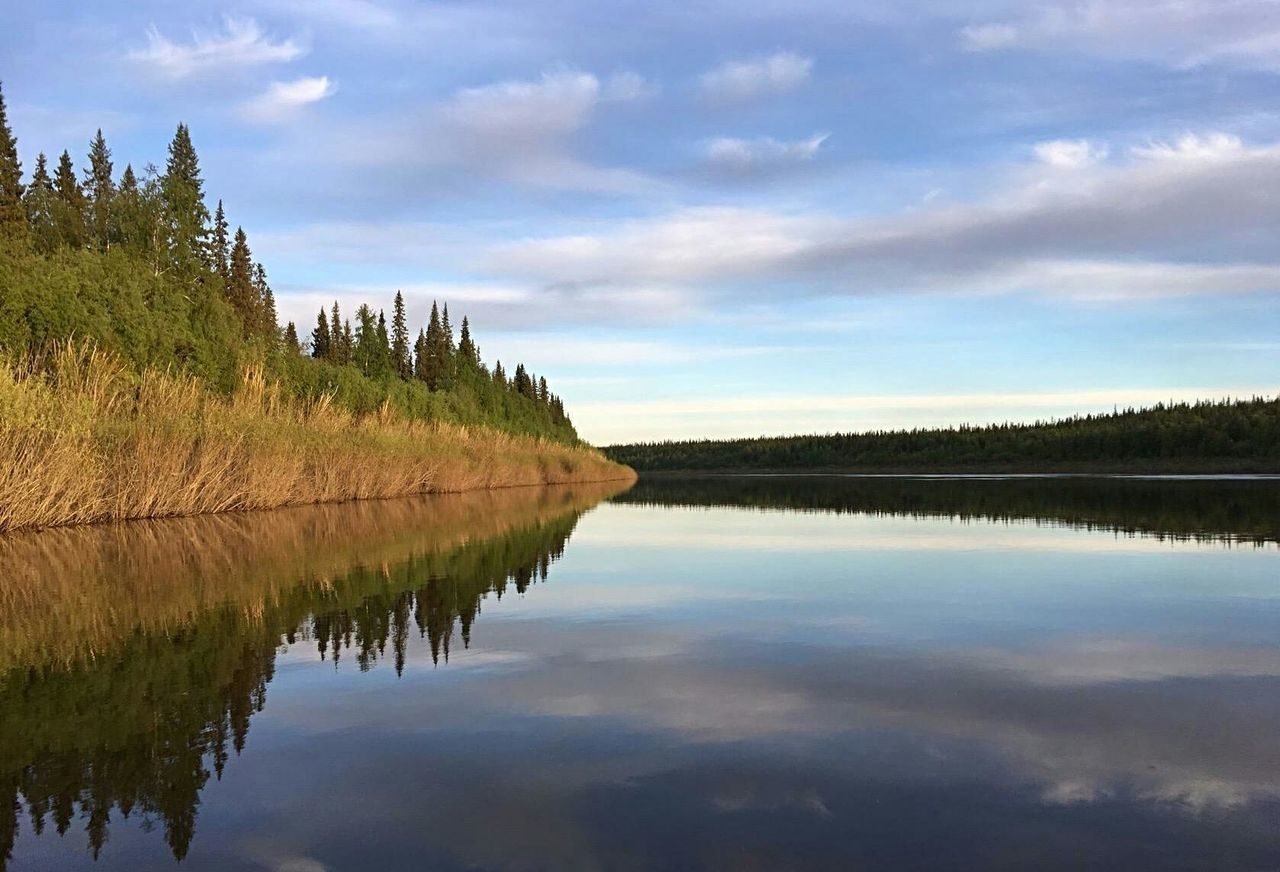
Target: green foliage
{"points": [[1219, 435], [99, 186], [39, 203], [12, 214], [136, 267], [69, 205], [185, 214]]}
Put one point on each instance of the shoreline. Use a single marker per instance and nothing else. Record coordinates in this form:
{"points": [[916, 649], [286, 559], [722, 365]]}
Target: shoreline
{"points": [[1260, 471]]}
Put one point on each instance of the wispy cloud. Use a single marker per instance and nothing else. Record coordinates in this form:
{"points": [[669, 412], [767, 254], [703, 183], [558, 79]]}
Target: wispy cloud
{"points": [[513, 130], [242, 43], [282, 99], [743, 80], [1186, 34], [1070, 153], [762, 153], [987, 37]]}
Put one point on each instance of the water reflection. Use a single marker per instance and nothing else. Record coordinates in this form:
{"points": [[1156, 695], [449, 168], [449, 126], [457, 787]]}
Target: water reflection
{"points": [[135, 654], [1244, 509], [758, 674]]}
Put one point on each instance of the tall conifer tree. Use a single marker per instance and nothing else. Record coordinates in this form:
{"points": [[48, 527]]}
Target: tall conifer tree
{"points": [[13, 216], [99, 185], [320, 347], [265, 299], [40, 206], [182, 192], [338, 349], [420, 357], [240, 290], [400, 340], [435, 348], [220, 245], [69, 209], [468, 353]]}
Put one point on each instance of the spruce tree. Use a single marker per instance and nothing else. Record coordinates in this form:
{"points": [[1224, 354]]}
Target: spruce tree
{"points": [[320, 343], [13, 215], [543, 394], [447, 329], [367, 342], [182, 192], [382, 364], [138, 214], [39, 202], [348, 342], [435, 348], [69, 204], [337, 348], [240, 290], [468, 353], [400, 340], [499, 374], [292, 344], [420, 357], [101, 191], [220, 248], [265, 300]]}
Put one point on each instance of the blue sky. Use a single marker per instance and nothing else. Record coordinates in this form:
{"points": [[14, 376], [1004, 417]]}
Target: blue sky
{"points": [[732, 218]]}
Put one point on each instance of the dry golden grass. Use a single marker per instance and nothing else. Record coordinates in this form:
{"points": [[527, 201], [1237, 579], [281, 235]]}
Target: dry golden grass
{"points": [[76, 592], [84, 440]]}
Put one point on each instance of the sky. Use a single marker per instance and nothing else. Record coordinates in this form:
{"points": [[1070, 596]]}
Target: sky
{"points": [[708, 218]]}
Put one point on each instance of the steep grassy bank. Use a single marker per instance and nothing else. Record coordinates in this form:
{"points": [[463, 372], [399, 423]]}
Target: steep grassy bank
{"points": [[84, 439]]}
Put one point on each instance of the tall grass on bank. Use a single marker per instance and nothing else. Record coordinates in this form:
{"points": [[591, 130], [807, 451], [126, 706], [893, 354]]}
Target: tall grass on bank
{"points": [[83, 439]]}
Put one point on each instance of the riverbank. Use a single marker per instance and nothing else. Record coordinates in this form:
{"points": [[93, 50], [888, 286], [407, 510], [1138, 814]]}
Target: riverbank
{"points": [[83, 439]]}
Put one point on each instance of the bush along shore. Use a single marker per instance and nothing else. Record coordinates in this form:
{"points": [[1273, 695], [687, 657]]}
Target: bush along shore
{"points": [[85, 439]]}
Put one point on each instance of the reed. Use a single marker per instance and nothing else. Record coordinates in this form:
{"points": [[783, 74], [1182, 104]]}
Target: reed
{"points": [[83, 439]]}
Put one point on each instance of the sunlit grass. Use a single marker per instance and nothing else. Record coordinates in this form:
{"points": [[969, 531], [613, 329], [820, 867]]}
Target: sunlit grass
{"points": [[84, 439]]}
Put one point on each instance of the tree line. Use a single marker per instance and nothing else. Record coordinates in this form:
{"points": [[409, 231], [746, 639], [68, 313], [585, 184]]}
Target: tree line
{"points": [[1241, 435], [139, 264]]}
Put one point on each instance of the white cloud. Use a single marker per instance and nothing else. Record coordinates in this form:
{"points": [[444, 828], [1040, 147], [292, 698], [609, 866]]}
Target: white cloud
{"points": [[531, 112], [1178, 33], [1103, 230], [241, 44], [1070, 153], [988, 37], [627, 86], [1210, 147], [281, 99], [747, 155], [742, 80]]}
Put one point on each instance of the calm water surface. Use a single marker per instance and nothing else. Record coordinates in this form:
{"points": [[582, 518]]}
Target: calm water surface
{"points": [[753, 673]]}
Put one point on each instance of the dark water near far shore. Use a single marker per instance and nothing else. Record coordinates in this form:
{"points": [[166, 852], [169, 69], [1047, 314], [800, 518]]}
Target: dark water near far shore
{"points": [[713, 673]]}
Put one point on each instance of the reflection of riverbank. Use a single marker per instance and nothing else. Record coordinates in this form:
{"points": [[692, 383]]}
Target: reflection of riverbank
{"points": [[75, 592], [1239, 509]]}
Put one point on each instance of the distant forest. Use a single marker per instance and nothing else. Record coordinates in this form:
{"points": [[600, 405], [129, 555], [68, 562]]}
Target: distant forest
{"points": [[137, 263], [1237, 435]]}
